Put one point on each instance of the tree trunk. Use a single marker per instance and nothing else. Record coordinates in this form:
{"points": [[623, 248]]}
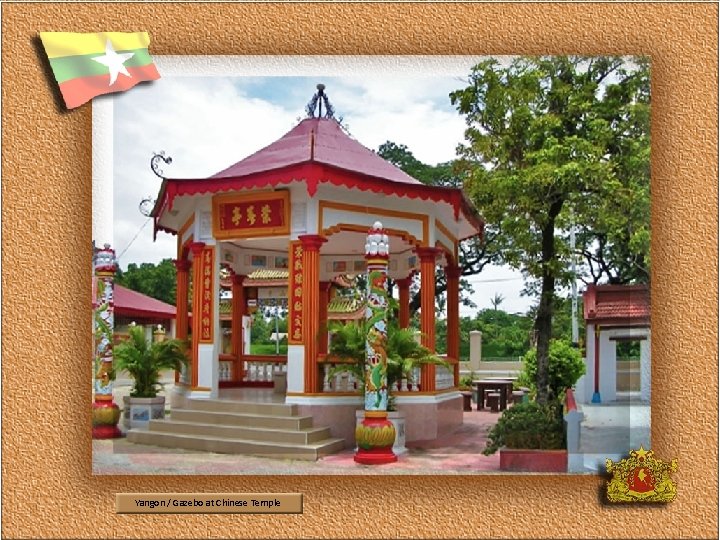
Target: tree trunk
{"points": [[543, 321]]}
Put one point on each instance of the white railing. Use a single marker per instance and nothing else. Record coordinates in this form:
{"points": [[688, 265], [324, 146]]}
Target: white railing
{"points": [[226, 371], [444, 378], [262, 371], [344, 381]]}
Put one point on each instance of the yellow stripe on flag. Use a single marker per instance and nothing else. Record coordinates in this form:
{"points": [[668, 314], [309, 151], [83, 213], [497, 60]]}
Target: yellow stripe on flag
{"points": [[58, 44]]}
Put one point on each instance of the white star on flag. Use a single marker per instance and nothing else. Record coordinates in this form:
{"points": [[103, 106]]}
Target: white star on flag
{"points": [[114, 61]]}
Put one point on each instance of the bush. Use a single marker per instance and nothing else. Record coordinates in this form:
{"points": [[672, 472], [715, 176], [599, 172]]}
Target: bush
{"points": [[528, 425], [565, 367]]}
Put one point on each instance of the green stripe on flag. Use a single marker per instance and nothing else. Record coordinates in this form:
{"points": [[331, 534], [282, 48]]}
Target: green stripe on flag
{"points": [[72, 67]]}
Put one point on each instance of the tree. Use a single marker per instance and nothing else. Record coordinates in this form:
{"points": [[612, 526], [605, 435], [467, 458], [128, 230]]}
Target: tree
{"points": [[497, 300], [474, 253], [551, 140], [157, 281]]}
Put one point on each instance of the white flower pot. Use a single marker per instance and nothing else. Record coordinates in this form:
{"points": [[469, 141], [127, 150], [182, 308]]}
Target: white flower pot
{"points": [[137, 412]]}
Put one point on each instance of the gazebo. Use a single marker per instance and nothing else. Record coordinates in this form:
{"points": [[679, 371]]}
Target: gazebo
{"points": [[613, 313], [304, 204]]}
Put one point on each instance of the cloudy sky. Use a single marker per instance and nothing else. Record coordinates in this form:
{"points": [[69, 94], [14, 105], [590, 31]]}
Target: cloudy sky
{"points": [[208, 114]]}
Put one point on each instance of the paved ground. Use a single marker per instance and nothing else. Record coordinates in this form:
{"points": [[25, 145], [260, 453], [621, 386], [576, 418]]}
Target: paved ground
{"points": [[458, 453], [608, 431]]}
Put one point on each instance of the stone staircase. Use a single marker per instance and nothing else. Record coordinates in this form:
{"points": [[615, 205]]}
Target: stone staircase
{"points": [[233, 427]]}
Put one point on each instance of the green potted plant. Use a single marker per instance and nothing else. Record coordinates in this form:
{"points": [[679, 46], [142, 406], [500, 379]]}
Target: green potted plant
{"points": [[404, 354], [144, 360], [530, 436]]}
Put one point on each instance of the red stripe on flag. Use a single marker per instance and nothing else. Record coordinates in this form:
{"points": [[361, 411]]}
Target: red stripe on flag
{"points": [[78, 91]]}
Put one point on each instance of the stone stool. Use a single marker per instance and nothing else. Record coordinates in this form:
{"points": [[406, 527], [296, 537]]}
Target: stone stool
{"points": [[467, 400], [517, 396], [493, 401]]}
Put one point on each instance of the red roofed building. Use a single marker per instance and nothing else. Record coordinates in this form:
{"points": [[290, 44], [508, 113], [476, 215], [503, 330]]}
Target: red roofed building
{"points": [[613, 313], [132, 306]]}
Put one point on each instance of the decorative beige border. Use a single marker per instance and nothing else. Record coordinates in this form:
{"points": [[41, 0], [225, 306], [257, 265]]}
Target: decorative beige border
{"points": [[48, 487]]}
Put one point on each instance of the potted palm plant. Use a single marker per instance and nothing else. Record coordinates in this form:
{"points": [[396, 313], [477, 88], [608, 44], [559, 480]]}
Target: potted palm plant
{"points": [[404, 354], [144, 360]]}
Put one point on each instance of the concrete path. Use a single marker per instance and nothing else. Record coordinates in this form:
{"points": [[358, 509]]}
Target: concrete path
{"points": [[611, 431]]}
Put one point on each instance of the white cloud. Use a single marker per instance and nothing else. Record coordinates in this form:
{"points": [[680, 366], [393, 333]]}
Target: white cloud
{"points": [[208, 123]]}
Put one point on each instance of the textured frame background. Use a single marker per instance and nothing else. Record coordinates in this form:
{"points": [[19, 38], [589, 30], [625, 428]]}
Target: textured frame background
{"points": [[48, 489]]}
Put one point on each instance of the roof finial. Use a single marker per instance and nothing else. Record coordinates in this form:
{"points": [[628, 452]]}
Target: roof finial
{"points": [[317, 101]]}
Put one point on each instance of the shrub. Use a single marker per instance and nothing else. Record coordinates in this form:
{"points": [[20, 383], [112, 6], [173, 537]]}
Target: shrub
{"points": [[528, 425], [565, 367]]}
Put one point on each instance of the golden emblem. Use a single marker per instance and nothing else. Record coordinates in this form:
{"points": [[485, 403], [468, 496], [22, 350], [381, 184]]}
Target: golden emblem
{"points": [[641, 478]]}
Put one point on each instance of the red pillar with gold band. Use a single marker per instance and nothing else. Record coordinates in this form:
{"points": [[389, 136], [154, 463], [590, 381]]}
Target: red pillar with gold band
{"points": [[452, 273], [196, 248], [596, 390], [375, 435], [427, 312], [311, 307], [182, 267], [106, 413], [404, 301], [238, 311]]}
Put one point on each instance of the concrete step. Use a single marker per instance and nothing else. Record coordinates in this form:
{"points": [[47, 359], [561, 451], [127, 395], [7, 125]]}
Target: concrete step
{"points": [[290, 436], [242, 420], [241, 407], [224, 445]]}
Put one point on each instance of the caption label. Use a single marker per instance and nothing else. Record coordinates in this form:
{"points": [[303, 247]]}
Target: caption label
{"points": [[208, 503]]}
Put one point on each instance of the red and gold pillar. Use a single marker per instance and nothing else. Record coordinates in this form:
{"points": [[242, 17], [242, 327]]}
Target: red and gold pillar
{"points": [[404, 301], [324, 301], [196, 248], [452, 274], [311, 307], [427, 312], [106, 414], [375, 435], [239, 306], [182, 267]]}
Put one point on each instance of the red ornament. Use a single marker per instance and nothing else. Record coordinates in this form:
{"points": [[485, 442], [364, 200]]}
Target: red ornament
{"points": [[641, 480]]}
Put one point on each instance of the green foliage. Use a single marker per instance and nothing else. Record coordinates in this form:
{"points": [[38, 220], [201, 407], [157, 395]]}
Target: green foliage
{"points": [[157, 281], [404, 353], [144, 361], [528, 425], [553, 141], [565, 367]]}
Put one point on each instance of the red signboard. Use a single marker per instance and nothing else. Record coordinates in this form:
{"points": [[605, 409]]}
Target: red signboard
{"points": [[295, 298], [206, 295], [251, 215]]}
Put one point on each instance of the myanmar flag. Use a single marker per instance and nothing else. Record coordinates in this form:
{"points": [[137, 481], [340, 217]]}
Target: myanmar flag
{"points": [[88, 65]]}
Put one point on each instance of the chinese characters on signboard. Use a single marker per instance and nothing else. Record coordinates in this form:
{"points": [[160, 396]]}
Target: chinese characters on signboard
{"points": [[206, 295], [240, 216], [295, 294]]}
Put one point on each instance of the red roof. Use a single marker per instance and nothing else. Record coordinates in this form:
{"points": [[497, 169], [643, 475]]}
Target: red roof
{"points": [[321, 140], [315, 151], [130, 303], [617, 304]]}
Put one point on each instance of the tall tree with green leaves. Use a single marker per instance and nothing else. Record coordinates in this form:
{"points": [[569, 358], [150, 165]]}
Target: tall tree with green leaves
{"points": [[155, 280], [474, 253], [551, 141]]}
